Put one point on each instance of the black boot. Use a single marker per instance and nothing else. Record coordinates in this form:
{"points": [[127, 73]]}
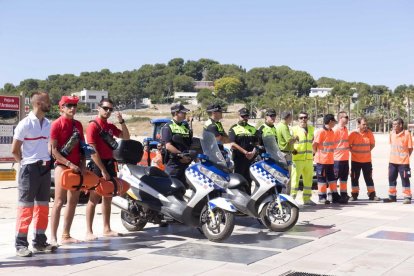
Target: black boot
{"points": [[336, 198], [345, 197], [390, 199], [372, 196], [354, 196]]}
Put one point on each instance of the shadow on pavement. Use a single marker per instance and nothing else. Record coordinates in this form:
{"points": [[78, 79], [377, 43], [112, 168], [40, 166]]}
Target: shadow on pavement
{"points": [[102, 249]]}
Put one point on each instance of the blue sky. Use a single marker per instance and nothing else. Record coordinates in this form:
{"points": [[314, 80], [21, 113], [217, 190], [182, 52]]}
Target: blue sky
{"points": [[356, 40]]}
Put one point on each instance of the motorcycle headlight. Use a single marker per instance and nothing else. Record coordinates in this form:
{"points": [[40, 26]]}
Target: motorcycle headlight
{"points": [[276, 174], [217, 179]]}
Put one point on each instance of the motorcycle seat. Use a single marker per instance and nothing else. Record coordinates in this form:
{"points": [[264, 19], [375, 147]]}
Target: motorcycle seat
{"points": [[237, 181], [158, 180], [140, 171]]}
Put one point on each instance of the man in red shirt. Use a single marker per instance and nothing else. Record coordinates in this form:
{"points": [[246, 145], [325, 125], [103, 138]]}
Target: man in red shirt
{"points": [[401, 149], [361, 143], [323, 147], [65, 135], [103, 163]]}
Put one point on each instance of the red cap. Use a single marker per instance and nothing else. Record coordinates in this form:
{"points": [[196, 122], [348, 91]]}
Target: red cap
{"points": [[68, 100]]}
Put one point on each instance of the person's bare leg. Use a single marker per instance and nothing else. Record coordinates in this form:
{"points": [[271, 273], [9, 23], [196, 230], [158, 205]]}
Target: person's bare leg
{"points": [[106, 214], [90, 214], [72, 201], [60, 198]]}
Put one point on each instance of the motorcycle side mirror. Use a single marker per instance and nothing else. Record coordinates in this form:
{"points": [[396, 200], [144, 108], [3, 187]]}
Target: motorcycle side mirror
{"points": [[193, 154], [202, 156], [265, 155]]}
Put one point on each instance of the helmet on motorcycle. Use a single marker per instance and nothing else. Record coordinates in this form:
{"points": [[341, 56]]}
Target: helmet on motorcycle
{"points": [[72, 181], [113, 187]]}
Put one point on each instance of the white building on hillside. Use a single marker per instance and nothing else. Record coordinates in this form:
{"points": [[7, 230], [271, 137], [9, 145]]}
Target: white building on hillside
{"points": [[91, 98], [320, 92], [190, 97]]}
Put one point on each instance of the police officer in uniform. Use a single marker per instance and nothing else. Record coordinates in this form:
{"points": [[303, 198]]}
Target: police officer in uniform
{"points": [[213, 124], [175, 165], [268, 128], [244, 138]]}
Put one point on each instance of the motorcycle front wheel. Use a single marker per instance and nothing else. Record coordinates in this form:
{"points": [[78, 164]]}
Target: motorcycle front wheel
{"points": [[132, 223], [279, 220], [219, 230]]}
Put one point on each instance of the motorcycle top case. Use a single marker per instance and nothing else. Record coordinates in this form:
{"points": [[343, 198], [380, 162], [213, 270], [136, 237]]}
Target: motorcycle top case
{"points": [[74, 182], [114, 187], [128, 151]]}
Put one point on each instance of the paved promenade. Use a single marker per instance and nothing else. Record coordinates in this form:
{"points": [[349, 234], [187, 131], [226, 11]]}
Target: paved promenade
{"points": [[361, 238]]}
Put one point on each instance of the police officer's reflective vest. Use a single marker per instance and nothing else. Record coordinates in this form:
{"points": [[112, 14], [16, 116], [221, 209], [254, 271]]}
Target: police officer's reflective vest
{"points": [[179, 129], [246, 130], [268, 130], [182, 130], [219, 126], [304, 145]]}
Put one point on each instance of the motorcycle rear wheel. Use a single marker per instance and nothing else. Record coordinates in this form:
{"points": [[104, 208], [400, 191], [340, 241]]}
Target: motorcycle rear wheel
{"points": [[132, 223], [275, 221], [221, 231]]}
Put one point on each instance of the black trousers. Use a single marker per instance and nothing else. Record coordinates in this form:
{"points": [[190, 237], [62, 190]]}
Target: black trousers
{"points": [[242, 166], [176, 169]]}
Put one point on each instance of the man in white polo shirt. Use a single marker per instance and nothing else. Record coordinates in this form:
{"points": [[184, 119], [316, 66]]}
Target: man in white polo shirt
{"points": [[30, 149]]}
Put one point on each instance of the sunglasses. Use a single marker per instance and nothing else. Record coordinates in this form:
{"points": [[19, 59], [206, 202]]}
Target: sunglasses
{"points": [[71, 106], [346, 117], [106, 108], [273, 115], [303, 118], [245, 116]]}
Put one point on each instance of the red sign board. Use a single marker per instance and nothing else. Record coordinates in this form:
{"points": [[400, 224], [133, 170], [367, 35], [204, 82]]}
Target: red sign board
{"points": [[9, 103]]}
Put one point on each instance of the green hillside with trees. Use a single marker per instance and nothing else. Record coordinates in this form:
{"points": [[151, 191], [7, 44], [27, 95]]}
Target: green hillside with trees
{"points": [[279, 87]]}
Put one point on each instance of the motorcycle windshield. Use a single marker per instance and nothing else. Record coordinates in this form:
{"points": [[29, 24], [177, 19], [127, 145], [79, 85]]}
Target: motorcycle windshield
{"points": [[271, 147], [211, 149]]}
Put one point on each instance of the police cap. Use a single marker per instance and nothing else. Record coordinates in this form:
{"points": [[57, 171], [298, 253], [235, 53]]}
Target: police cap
{"points": [[244, 112], [178, 108], [270, 112], [214, 108]]}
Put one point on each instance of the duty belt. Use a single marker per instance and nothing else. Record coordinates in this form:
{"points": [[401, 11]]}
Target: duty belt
{"points": [[41, 163]]}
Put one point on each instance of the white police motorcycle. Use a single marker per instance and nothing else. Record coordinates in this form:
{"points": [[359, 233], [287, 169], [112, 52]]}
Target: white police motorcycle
{"points": [[278, 212], [156, 197]]}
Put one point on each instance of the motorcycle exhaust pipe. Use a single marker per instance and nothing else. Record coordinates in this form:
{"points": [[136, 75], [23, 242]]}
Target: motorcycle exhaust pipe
{"points": [[121, 203]]}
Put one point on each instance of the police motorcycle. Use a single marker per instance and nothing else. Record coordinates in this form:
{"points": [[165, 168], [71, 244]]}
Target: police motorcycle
{"points": [[278, 212], [156, 197]]}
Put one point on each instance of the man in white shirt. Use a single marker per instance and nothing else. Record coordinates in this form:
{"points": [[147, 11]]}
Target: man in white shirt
{"points": [[30, 149]]}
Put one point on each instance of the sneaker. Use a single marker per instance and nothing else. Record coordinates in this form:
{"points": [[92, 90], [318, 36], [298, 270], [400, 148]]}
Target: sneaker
{"points": [[407, 201], [388, 200], [23, 252], [46, 248]]}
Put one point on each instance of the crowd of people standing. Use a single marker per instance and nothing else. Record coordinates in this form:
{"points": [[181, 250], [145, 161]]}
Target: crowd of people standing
{"points": [[335, 152]]}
